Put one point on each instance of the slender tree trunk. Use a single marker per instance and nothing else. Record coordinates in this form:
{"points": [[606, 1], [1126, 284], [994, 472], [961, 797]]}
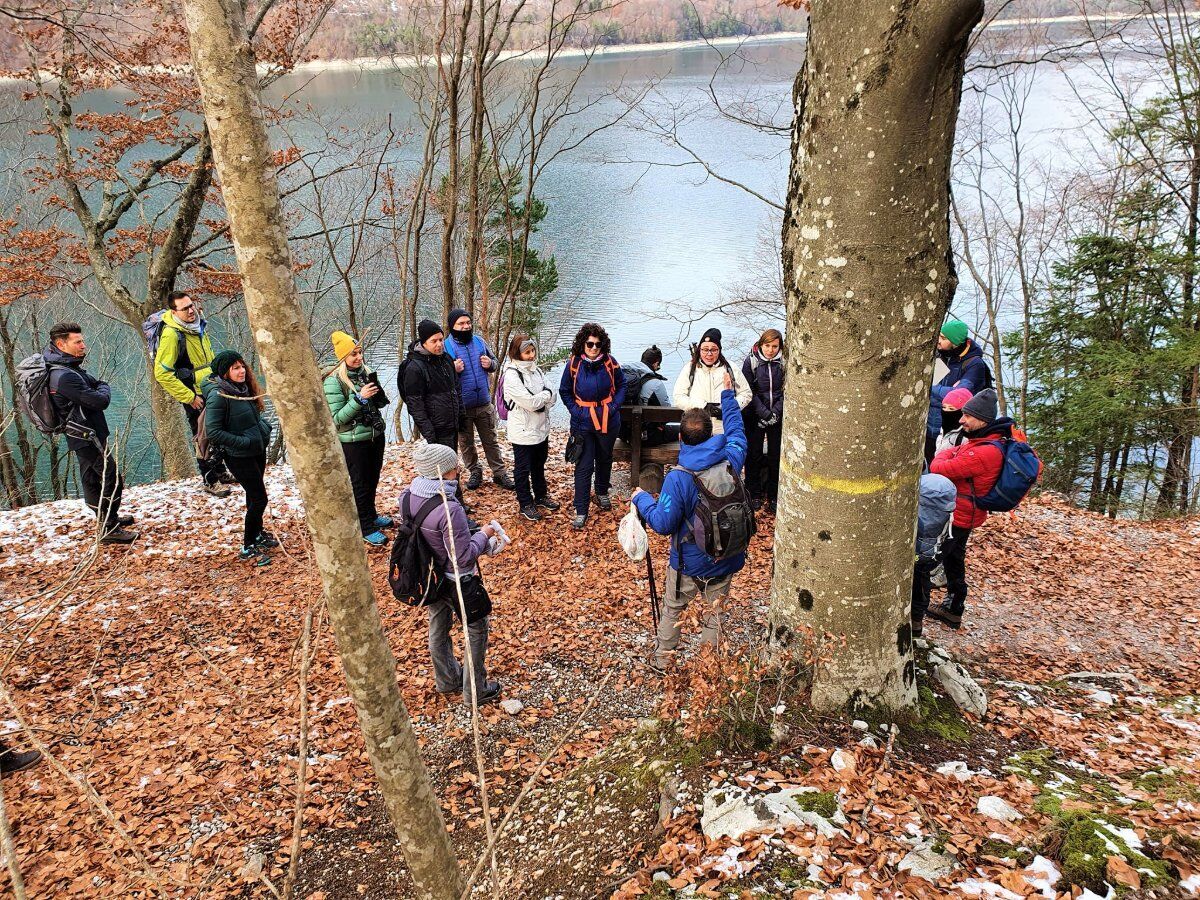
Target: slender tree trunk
{"points": [[224, 65], [869, 275]]}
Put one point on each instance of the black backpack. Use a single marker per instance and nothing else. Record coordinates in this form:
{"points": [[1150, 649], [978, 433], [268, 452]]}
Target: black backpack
{"points": [[413, 573], [35, 398], [722, 522]]}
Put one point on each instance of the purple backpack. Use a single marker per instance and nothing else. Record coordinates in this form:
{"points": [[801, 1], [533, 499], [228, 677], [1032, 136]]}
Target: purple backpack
{"points": [[503, 407]]}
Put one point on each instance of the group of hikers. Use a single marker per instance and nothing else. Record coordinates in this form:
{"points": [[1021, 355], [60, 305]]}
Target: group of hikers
{"points": [[729, 436]]}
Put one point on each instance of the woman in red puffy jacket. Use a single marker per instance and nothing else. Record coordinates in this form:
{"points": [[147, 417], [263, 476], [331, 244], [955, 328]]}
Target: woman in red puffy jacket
{"points": [[974, 467]]}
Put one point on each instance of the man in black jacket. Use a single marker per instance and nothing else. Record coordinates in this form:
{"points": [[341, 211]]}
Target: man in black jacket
{"points": [[81, 400], [430, 387]]}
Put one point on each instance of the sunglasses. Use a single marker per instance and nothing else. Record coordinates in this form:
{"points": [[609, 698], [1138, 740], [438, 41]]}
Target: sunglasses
{"points": [[592, 344]]}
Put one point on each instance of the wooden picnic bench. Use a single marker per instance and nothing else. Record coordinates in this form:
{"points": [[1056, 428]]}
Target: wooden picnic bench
{"points": [[647, 465]]}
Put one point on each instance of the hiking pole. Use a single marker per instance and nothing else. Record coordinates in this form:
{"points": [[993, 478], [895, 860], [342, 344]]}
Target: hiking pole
{"points": [[650, 575]]}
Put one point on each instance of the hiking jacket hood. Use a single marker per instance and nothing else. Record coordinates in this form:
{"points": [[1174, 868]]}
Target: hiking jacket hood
{"points": [[431, 393], [473, 381], [199, 358], [654, 386], [234, 425], [707, 388], [672, 512], [765, 377], [594, 383], [531, 399], [974, 467], [968, 369], [79, 396], [935, 505], [355, 419]]}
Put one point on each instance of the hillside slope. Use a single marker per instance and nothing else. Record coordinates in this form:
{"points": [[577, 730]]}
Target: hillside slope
{"points": [[166, 677]]}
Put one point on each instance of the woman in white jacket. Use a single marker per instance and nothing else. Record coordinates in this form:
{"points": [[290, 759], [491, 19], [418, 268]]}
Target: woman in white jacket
{"points": [[700, 383], [528, 400]]}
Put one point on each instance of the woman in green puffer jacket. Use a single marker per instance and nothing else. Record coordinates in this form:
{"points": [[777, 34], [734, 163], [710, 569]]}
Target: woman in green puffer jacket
{"points": [[354, 399], [233, 422]]}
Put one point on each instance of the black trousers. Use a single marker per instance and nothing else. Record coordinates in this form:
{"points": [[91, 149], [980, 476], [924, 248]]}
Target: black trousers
{"points": [[762, 469], [210, 469], [364, 459], [954, 560], [249, 470], [529, 471], [921, 587], [101, 482]]}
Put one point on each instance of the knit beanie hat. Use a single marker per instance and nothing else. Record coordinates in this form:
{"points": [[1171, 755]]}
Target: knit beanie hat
{"points": [[224, 361], [982, 406], [955, 332], [434, 460], [713, 335], [427, 329], [343, 344], [956, 398], [455, 315]]}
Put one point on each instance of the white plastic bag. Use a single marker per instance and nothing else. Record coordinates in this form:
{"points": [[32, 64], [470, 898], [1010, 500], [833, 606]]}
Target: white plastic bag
{"points": [[632, 535], [499, 541]]}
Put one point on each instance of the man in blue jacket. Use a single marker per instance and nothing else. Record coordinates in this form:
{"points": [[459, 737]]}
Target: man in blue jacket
{"points": [[967, 368], [691, 571], [474, 362], [81, 399]]}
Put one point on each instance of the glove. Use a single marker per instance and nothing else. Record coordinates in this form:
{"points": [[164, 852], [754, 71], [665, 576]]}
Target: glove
{"points": [[713, 409], [767, 423]]}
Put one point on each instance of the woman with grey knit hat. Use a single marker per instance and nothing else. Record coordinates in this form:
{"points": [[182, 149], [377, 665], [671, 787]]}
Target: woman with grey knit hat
{"points": [[430, 499]]}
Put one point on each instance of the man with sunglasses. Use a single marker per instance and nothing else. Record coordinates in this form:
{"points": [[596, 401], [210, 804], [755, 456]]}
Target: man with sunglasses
{"points": [[182, 363]]}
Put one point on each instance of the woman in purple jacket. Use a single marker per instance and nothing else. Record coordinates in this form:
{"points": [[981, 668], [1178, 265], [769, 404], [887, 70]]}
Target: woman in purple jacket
{"points": [[444, 527], [763, 417]]}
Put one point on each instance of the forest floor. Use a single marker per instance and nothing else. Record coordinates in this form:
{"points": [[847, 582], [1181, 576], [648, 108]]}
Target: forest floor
{"points": [[163, 679]]}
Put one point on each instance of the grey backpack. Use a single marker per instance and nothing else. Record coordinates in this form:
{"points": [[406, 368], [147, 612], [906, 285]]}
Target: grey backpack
{"points": [[34, 398], [723, 520]]}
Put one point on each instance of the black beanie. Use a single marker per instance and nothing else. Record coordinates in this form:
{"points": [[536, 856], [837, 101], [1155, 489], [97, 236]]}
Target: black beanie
{"points": [[223, 362], [427, 329], [982, 406], [455, 315], [713, 335]]}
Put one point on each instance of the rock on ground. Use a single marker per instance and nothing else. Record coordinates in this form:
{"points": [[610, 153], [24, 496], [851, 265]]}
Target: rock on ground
{"points": [[958, 683], [731, 811]]}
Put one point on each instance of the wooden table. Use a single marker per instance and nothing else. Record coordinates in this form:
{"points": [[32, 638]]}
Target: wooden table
{"points": [[647, 465]]}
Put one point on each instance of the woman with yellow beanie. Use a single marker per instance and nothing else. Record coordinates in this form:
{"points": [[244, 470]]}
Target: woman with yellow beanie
{"points": [[355, 398]]}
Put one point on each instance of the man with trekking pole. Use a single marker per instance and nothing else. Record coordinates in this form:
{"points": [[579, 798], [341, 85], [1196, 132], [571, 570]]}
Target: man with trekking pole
{"points": [[703, 490]]}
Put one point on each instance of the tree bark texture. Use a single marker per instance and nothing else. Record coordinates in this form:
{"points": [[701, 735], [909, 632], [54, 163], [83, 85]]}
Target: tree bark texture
{"points": [[224, 63], [869, 276]]}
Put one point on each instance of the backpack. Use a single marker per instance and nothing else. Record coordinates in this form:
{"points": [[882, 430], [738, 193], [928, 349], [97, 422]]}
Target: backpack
{"points": [[412, 571], [152, 331], [401, 372], [935, 511], [1019, 472], [35, 400], [634, 383], [503, 405], [723, 519], [206, 451]]}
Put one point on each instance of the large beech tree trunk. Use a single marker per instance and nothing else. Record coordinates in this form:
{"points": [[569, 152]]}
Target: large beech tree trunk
{"points": [[868, 272], [224, 64]]}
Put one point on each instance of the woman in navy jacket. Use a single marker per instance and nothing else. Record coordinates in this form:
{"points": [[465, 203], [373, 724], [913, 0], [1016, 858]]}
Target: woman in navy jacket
{"points": [[593, 389]]}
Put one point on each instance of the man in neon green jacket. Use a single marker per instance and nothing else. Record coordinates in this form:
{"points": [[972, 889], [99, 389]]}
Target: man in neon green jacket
{"points": [[181, 365]]}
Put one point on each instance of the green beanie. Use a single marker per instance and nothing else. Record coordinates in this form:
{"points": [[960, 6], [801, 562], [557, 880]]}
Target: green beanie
{"points": [[955, 332], [224, 361]]}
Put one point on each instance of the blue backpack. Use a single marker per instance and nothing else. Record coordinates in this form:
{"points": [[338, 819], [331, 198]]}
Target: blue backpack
{"points": [[1019, 472]]}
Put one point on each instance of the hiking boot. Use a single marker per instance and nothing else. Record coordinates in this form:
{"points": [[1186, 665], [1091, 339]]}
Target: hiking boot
{"points": [[946, 613], [376, 539], [475, 482], [490, 694], [654, 665], [579, 521], [454, 690], [547, 504], [529, 511], [756, 503], [16, 761], [254, 557], [503, 482], [771, 507], [603, 501], [124, 521], [119, 535], [918, 628], [266, 541], [216, 490], [384, 521]]}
